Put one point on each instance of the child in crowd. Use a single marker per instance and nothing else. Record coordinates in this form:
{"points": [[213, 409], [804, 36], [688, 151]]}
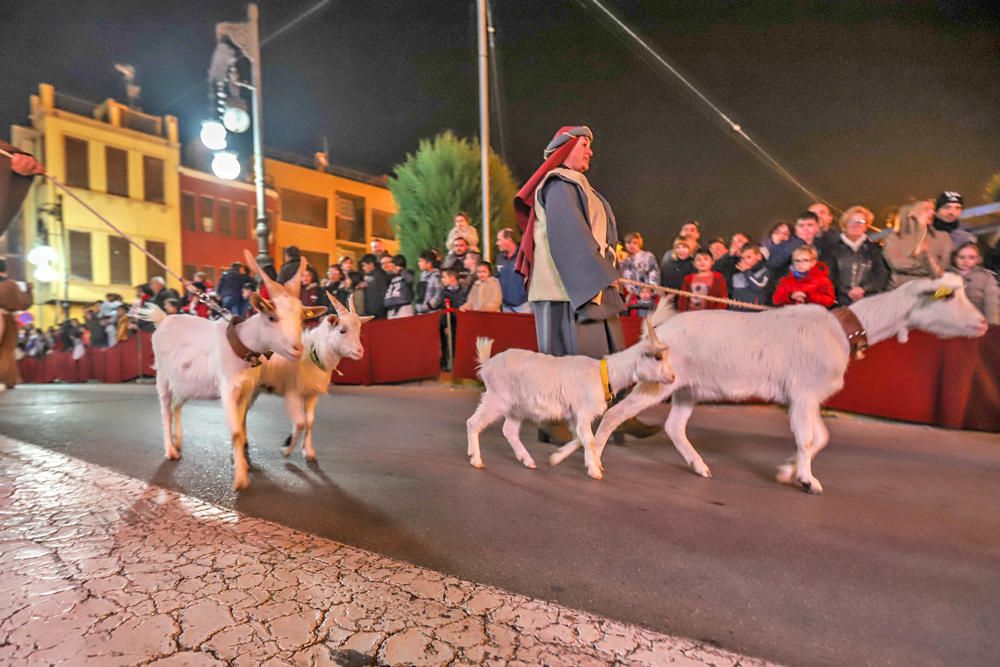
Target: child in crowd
{"points": [[485, 294], [398, 299], [641, 303], [704, 281], [677, 264], [807, 282], [779, 234], [751, 282], [638, 265], [453, 292], [980, 284]]}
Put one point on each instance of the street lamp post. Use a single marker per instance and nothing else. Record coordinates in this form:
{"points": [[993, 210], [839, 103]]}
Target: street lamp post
{"points": [[246, 37]]}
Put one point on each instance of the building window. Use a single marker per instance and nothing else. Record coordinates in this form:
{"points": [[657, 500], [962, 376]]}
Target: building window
{"points": [[303, 209], [189, 270], [157, 249], [189, 217], [79, 256], [242, 222], [209, 272], [77, 163], [318, 260], [152, 179], [222, 218], [381, 227], [116, 169], [350, 218], [121, 262], [207, 214]]}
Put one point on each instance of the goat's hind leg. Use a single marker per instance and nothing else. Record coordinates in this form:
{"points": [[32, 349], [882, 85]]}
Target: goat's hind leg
{"points": [[803, 417], [484, 415], [585, 434], [293, 408]]}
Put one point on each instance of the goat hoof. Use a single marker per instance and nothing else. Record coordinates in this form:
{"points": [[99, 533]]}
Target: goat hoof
{"points": [[529, 463], [286, 451], [240, 484], [595, 473], [477, 463], [311, 458], [701, 470], [785, 473], [812, 486], [173, 454], [288, 442]]}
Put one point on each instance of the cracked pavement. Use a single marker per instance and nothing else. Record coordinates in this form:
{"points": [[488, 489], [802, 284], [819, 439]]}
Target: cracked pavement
{"points": [[100, 568]]}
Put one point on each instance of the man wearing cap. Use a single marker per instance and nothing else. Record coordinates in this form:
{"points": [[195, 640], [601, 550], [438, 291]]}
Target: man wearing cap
{"points": [[567, 257], [16, 174], [947, 210], [568, 252]]}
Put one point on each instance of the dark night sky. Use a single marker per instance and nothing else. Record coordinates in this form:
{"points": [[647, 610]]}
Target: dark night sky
{"points": [[866, 102]]}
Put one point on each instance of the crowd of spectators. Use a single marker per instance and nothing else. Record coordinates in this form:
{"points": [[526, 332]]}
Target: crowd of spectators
{"points": [[814, 258]]}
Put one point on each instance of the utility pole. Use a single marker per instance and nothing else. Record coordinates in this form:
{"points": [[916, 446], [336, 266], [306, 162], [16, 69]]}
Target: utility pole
{"points": [[484, 127]]}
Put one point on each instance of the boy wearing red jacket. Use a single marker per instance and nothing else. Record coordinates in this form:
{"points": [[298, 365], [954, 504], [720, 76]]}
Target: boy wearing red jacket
{"points": [[807, 282], [704, 282]]}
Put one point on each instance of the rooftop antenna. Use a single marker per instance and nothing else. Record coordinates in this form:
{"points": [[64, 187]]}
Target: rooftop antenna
{"points": [[131, 90]]}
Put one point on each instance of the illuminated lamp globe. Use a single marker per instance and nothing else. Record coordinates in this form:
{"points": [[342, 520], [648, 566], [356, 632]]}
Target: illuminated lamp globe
{"points": [[42, 255], [46, 274], [226, 165], [235, 118], [213, 135]]}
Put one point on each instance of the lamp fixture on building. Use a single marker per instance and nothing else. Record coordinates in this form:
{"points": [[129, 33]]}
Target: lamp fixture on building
{"points": [[213, 135], [226, 165]]}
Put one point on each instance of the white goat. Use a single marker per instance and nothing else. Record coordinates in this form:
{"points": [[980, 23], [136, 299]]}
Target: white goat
{"points": [[195, 359], [302, 381], [796, 356], [524, 385]]}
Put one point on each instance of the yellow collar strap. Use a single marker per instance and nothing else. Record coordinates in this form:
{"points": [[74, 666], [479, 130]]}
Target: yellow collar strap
{"points": [[604, 380]]}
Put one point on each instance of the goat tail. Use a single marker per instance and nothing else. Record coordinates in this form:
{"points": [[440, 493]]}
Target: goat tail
{"points": [[484, 348], [150, 313]]}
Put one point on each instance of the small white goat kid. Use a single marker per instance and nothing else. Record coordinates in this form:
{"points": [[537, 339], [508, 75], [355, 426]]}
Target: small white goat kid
{"points": [[795, 356], [301, 381], [523, 385], [195, 358]]}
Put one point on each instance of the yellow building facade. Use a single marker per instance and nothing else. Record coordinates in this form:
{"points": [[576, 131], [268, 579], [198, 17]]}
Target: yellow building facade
{"points": [[124, 164], [328, 212]]}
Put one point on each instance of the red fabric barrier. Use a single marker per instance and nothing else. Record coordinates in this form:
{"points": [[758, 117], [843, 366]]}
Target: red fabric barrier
{"points": [[398, 350]]}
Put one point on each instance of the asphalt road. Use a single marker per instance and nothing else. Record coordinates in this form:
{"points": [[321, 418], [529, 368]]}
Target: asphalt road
{"points": [[898, 563]]}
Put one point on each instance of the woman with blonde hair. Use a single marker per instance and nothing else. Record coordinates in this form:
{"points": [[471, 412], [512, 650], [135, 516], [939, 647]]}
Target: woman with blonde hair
{"points": [[857, 268], [916, 249]]}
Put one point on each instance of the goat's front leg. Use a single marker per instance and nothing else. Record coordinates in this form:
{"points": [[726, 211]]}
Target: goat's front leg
{"points": [[585, 434], [645, 395], [235, 400], [310, 414], [167, 414], [512, 431], [293, 408]]}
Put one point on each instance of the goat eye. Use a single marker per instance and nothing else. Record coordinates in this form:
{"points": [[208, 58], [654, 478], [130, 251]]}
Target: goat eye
{"points": [[343, 330], [272, 318]]}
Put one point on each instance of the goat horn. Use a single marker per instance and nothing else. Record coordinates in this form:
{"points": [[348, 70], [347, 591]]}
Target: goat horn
{"points": [[337, 305], [652, 333]]}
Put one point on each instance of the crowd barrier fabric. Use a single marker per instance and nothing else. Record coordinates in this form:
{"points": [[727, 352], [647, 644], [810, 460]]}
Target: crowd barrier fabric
{"points": [[953, 383]]}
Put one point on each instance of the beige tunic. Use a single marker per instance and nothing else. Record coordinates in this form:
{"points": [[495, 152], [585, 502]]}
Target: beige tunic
{"points": [[906, 266], [11, 299]]}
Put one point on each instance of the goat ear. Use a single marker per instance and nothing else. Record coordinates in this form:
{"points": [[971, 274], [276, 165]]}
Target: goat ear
{"points": [[312, 312], [367, 318], [294, 285], [332, 320], [260, 304]]}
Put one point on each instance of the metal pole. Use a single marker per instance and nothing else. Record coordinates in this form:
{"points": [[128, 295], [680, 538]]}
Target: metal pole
{"points": [[484, 128], [256, 109]]}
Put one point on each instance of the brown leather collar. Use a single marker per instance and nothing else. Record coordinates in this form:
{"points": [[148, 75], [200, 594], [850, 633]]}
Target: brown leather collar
{"points": [[241, 350], [854, 330]]}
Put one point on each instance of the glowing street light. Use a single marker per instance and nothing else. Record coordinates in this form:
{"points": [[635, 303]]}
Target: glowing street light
{"points": [[226, 165], [235, 117], [213, 135], [43, 257]]}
